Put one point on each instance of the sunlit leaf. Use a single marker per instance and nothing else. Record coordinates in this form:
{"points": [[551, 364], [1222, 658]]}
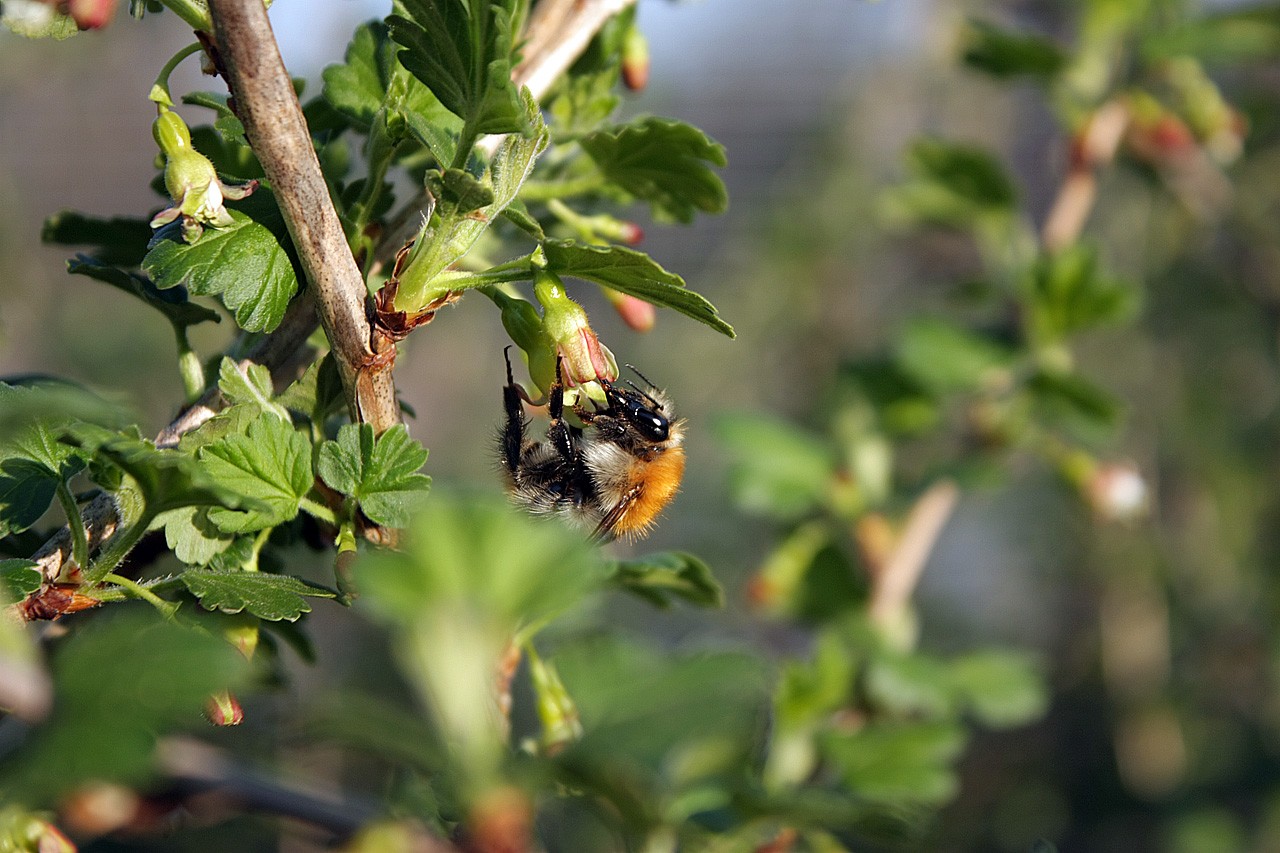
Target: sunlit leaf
{"points": [[267, 596]]}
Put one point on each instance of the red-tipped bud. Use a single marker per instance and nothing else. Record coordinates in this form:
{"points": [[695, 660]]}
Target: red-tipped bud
{"points": [[556, 709], [223, 709], [91, 14], [636, 313], [635, 60], [583, 358]]}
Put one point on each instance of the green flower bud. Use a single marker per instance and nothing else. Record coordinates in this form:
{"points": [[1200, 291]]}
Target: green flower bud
{"points": [[583, 358], [524, 327], [556, 710], [191, 180]]}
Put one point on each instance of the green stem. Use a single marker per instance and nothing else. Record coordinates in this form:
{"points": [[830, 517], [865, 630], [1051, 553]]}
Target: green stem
{"points": [[542, 191], [196, 15], [466, 142], [79, 538], [166, 608], [189, 367], [251, 565], [118, 548], [160, 91], [459, 280], [318, 510], [342, 563]]}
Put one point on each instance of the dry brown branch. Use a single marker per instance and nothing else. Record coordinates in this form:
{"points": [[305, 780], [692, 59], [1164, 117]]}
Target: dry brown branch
{"points": [[268, 107]]}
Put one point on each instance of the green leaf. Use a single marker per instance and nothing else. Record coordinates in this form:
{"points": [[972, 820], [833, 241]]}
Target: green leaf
{"points": [[267, 596], [166, 479], [902, 405], [246, 264], [899, 763], [951, 185], [1002, 688], [192, 537], [778, 469], [660, 579], [664, 162], [119, 682], [270, 464], [234, 420], [461, 50], [1004, 54], [633, 273], [117, 241], [657, 725], [480, 554], [359, 88], [380, 473], [250, 387], [26, 490], [945, 357], [234, 161], [582, 102], [1066, 292], [906, 685], [227, 123], [1228, 37], [172, 303], [1072, 403], [18, 579], [317, 393], [32, 459], [462, 191]]}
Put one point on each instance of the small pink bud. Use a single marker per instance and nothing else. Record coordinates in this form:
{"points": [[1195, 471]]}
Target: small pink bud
{"points": [[91, 14], [635, 60], [632, 234], [636, 313]]}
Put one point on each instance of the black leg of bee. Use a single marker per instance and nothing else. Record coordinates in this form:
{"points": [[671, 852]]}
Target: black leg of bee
{"points": [[513, 432], [558, 433]]}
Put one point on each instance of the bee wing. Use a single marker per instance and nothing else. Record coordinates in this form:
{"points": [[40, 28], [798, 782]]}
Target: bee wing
{"points": [[606, 530]]}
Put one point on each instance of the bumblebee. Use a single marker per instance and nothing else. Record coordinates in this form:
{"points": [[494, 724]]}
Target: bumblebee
{"points": [[613, 476]]}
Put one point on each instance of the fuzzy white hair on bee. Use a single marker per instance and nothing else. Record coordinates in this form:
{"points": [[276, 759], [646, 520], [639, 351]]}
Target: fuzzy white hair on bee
{"points": [[611, 476]]}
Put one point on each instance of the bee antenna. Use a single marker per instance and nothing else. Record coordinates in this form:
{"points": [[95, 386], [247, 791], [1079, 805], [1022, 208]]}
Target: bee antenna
{"points": [[636, 388], [633, 369]]}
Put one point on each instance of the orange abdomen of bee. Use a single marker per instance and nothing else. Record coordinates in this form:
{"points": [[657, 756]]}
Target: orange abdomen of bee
{"points": [[657, 482]]}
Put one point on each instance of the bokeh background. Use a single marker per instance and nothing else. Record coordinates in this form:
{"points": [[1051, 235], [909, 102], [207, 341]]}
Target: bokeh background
{"points": [[1158, 638]]}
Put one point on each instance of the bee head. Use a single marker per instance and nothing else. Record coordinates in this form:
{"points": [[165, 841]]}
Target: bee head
{"points": [[643, 412]]}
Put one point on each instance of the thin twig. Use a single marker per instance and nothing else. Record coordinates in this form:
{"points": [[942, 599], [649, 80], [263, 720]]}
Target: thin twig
{"points": [[1095, 148], [894, 582], [268, 107]]}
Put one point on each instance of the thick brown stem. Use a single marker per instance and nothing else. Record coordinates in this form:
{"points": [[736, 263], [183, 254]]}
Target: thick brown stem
{"points": [[1095, 148], [273, 121]]}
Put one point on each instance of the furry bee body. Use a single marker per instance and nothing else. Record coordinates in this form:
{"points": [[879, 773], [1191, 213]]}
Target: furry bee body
{"points": [[613, 477]]}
